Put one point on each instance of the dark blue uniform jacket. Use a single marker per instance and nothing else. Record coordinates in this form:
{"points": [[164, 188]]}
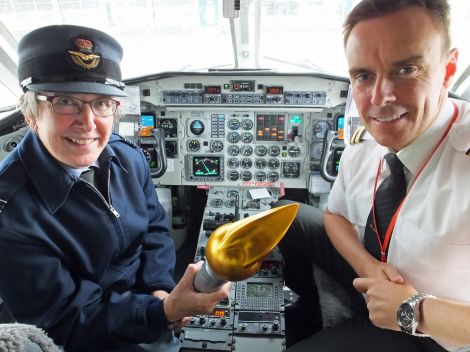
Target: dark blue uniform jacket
{"points": [[76, 263]]}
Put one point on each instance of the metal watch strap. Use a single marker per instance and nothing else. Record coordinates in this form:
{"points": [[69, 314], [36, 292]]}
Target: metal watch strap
{"points": [[415, 301]]}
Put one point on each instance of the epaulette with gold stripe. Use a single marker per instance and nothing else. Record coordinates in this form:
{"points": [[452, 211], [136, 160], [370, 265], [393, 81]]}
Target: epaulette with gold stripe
{"points": [[468, 152], [358, 135]]}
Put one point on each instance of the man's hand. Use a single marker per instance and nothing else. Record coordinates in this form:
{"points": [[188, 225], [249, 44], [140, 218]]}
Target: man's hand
{"points": [[383, 298], [385, 271]]}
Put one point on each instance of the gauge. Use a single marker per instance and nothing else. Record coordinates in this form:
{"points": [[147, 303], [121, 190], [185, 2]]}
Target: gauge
{"points": [[230, 203], [274, 150], [170, 127], [233, 150], [216, 203], [233, 137], [273, 176], [196, 127], [316, 150], [273, 164], [194, 145], [294, 152], [233, 124], [246, 163], [246, 137], [232, 193], [246, 175], [261, 150], [233, 163], [260, 176], [233, 175], [246, 150], [320, 128], [247, 124], [260, 163], [290, 169], [216, 146]]}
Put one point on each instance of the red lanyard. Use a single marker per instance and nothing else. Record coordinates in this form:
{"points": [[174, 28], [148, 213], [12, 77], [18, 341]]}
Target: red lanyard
{"points": [[388, 235]]}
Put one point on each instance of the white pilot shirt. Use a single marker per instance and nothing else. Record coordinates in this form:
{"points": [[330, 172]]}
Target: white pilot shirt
{"points": [[430, 245]]}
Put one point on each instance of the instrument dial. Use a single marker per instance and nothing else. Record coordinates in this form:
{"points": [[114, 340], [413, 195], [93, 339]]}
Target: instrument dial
{"points": [[246, 163], [316, 150], [320, 128], [233, 124], [273, 164], [290, 169], [247, 124], [232, 193], [246, 175], [260, 163], [194, 145], [273, 176], [216, 146], [233, 163], [170, 126], [246, 137], [216, 203], [233, 150], [197, 127], [230, 203], [233, 175], [260, 176], [293, 152], [246, 150], [261, 150], [233, 137], [274, 150]]}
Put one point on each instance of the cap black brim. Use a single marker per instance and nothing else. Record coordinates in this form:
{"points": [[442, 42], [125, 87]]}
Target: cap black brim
{"points": [[78, 87]]}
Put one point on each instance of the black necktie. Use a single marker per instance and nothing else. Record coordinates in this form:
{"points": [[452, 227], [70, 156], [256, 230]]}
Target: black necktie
{"points": [[387, 200], [90, 176]]}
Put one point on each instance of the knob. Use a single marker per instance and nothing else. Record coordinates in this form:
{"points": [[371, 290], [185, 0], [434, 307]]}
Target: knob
{"points": [[212, 322], [243, 326], [223, 322], [275, 325], [265, 327], [202, 320]]}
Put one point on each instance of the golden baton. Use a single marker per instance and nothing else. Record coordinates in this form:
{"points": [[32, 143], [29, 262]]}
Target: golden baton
{"points": [[235, 251]]}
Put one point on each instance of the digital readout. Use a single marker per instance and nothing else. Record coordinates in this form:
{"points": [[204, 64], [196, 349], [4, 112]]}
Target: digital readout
{"points": [[274, 90], [243, 86], [212, 90]]}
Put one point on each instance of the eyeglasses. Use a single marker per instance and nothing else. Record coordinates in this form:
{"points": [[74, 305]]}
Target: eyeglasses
{"points": [[66, 105]]}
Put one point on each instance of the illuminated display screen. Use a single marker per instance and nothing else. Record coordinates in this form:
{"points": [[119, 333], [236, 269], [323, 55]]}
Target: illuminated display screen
{"points": [[274, 90], [147, 120], [206, 166], [256, 289], [243, 86], [270, 127], [220, 313], [336, 158], [212, 90], [340, 126]]}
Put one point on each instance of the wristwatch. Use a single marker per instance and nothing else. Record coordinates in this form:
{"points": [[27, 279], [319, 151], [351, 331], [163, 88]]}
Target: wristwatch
{"points": [[408, 314]]}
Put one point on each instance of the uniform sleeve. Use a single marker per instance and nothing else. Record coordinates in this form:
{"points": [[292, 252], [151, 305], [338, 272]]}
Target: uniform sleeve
{"points": [[337, 198], [158, 255]]}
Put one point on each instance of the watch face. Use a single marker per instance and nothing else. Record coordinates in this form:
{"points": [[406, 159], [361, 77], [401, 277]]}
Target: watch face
{"points": [[405, 316]]}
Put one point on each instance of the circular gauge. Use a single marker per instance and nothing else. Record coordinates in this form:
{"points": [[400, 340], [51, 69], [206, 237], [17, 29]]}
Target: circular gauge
{"points": [[260, 163], [247, 124], [230, 203], [233, 124], [246, 137], [273, 164], [320, 128], [196, 127], [216, 146], [290, 169], [294, 152], [246, 175], [246, 150], [260, 176], [246, 163], [216, 203], [274, 150], [316, 150], [233, 163], [273, 176], [233, 150], [233, 137], [194, 145], [233, 175], [232, 193], [261, 150]]}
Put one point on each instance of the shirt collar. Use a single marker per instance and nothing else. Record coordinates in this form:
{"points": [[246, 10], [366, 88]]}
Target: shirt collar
{"points": [[414, 154], [41, 168]]}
